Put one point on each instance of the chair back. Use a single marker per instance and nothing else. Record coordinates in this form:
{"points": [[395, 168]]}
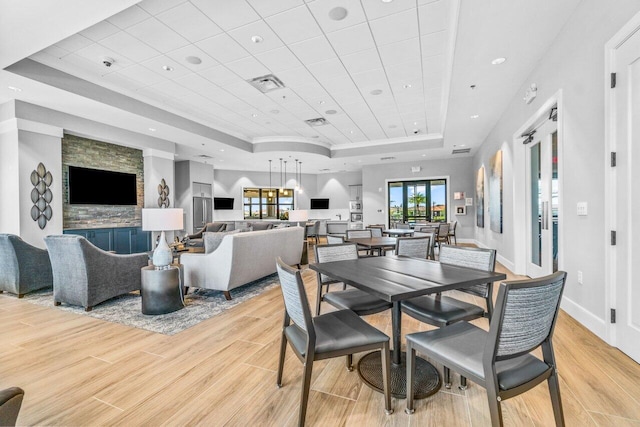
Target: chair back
{"points": [[355, 234], [312, 229], [478, 258], [295, 298], [9, 267], [443, 229], [415, 247], [333, 239], [375, 231], [525, 316], [452, 228], [403, 226], [339, 252]]}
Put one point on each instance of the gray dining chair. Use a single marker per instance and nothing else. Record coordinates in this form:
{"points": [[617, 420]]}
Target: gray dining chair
{"points": [[452, 232], [443, 234], [415, 247], [360, 302], [403, 226], [441, 310], [375, 231], [499, 360], [10, 403], [358, 234], [335, 334], [312, 229], [334, 239]]}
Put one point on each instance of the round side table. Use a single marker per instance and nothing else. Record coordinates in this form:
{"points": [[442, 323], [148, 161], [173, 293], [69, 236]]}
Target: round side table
{"points": [[161, 290]]}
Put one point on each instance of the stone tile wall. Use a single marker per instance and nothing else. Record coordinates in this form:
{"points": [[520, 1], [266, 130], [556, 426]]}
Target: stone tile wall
{"points": [[88, 153]]}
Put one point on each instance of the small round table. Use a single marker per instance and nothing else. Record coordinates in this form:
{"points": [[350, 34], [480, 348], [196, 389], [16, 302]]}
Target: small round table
{"points": [[161, 290]]}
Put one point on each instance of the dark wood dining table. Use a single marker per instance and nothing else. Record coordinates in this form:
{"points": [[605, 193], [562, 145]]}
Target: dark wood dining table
{"points": [[374, 243], [398, 232], [394, 279]]}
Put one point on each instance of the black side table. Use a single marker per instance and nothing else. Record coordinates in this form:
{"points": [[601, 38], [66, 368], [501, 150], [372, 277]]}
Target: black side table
{"points": [[161, 290]]}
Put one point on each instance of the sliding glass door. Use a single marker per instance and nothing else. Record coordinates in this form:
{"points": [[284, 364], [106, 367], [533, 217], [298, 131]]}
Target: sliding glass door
{"points": [[417, 201]]}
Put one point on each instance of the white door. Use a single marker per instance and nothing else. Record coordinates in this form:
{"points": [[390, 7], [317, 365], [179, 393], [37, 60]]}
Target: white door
{"points": [[626, 178], [542, 201]]}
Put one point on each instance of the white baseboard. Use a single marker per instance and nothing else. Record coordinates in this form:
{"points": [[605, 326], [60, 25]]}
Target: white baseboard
{"points": [[589, 320]]}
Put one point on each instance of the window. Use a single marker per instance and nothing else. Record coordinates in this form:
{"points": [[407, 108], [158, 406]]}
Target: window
{"points": [[267, 203], [418, 201]]}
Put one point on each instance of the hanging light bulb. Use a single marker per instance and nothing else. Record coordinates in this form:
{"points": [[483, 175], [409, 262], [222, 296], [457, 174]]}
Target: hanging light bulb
{"points": [[300, 180], [296, 178], [281, 188], [270, 188], [286, 193]]}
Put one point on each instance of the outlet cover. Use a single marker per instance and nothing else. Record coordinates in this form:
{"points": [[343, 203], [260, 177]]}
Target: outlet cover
{"points": [[582, 208]]}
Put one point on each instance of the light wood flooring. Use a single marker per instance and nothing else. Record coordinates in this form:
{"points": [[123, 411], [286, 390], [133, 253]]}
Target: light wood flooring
{"points": [[77, 370]]}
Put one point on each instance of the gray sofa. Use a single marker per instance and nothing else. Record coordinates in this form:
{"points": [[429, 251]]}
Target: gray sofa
{"points": [[23, 268], [86, 275]]}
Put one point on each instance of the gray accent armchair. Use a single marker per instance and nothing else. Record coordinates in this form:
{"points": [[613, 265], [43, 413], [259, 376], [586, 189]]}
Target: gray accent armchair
{"points": [[10, 403], [23, 268], [86, 275]]}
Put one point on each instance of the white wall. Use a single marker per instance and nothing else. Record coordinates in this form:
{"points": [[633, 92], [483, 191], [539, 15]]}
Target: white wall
{"points": [[9, 191], [335, 187], [574, 64], [457, 171]]}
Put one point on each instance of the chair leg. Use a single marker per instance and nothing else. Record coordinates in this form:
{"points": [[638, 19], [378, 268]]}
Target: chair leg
{"points": [[447, 377], [88, 309], [227, 295], [411, 370], [349, 362], [463, 383], [318, 299], [283, 352], [386, 377], [494, 405], [556, 402], [306, 385]]}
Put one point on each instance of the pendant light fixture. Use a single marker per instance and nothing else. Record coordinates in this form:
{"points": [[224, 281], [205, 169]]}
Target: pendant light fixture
{"points": [[270, 188], [297, 187], [286, 193], [281, 187], [300, 180]]}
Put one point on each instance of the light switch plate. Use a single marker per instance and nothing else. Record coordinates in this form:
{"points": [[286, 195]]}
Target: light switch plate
{"points": [[582, 208]]}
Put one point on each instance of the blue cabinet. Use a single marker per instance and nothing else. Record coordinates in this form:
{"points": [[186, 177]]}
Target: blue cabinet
{"points": [[121, 240]]}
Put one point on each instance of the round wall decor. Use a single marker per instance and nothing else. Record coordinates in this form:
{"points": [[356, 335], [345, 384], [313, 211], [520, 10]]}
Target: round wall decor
{"points": [[163, 191], [41, 196]]}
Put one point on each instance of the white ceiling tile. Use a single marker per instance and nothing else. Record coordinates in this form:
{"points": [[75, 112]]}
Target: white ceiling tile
{"points": [[156, 65], [369, 78], [434, 43], [395, 28], [433, 17], [100, 30], [405, 72], [321, 9], [141, 74], [222, 48], [55, 51], [248, 68], [351, 40], [342, 90], [227, 14], [118, 81], [96, 52], [179, 55], [244, 34], [243, 91], [271, 7], [328, 69], [128, 17], [75, 62], [397, 132], [220, 75], [156, 34], [362, 61], [155, 7], [294, 25], [189, 22], [433, 70], [279, 59], [313, 50], [377, 9], [171, 89], [74, 43], [129, 46], [404, 51], [199, 84]]}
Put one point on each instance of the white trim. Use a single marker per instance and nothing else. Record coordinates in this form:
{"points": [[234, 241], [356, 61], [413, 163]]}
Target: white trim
{"points": [[592, 322], [152, 152], [415, 178], [9, 125], [36, 127]]}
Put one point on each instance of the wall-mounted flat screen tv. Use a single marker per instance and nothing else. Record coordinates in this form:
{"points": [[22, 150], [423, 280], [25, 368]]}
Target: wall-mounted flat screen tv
{"points": [[223, 203], [101, 187], [319, 203]]}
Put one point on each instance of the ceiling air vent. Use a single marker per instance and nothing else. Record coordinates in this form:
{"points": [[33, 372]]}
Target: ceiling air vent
{"points": [[203, 156], [461, 151], [387, 158], [320, 121], [266, 83]]}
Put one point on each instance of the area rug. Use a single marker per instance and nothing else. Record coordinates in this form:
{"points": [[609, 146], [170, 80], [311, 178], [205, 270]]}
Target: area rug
{"points": [[201, 304]]}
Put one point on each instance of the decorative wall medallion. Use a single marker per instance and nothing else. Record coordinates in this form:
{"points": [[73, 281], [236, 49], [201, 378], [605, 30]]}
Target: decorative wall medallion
{"points": [[41, 196], [163, 191]]}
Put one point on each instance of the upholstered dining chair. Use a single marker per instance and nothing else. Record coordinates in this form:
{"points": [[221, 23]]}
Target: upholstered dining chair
{"points": [[10, 403], [403, 226], [500, 360], [23, 268], [313, 229], [375, 231], [443, 233], [333, 239], [441, 310], [415, 247], [358, 301], [361, 234], [335, 334], [452, 232]]}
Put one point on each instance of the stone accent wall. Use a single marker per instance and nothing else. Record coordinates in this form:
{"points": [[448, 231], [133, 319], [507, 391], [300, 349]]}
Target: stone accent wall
{"points": [[88, 153]]}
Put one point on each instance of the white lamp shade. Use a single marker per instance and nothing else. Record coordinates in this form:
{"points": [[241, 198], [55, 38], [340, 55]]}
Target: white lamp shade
{"points": [[298, 215], [162, 219]]}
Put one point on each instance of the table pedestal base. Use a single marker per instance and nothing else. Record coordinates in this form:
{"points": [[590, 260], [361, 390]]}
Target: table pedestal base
{"points": [[426, 379]]}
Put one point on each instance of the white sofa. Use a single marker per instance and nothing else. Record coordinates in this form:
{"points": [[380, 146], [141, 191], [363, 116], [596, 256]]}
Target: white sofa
{"points": [[241, 258]]}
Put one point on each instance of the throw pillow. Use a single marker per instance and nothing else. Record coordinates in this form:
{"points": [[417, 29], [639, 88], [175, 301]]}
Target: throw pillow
{"points": [[213, 240]]}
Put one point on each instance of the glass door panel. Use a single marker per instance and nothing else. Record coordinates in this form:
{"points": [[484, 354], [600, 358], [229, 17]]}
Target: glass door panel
{"points": [[536, 206]]}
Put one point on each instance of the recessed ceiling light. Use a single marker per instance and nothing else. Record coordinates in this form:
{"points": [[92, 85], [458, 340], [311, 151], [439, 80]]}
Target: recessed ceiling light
{"points": [[424, 155], [15, 89], [350, 131], [320, 102], [193, 60], [415, 123], [463, 145], [338, 13], [257, 39], [392, 126], [387, 1], [221, 160], [222, 149], [315, 136], [407, 86], [274, 111], [254, 115], [152, 129], [376, 92], [167, 68], [330, 112], [359, 161], [498, 61], [475, 116]]}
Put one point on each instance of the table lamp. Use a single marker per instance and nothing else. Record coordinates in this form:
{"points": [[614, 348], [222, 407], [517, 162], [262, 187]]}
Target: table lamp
{"points": [[162, 220], [298, 215]]}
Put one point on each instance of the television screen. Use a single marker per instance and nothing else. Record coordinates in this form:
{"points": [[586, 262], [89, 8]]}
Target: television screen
{"points": [[319, 203], [101, 187], [223, 203]]}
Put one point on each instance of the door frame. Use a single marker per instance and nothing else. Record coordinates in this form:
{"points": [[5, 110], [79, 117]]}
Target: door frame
{"points": [[610, 197], [416, 178], [520, 228]]}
